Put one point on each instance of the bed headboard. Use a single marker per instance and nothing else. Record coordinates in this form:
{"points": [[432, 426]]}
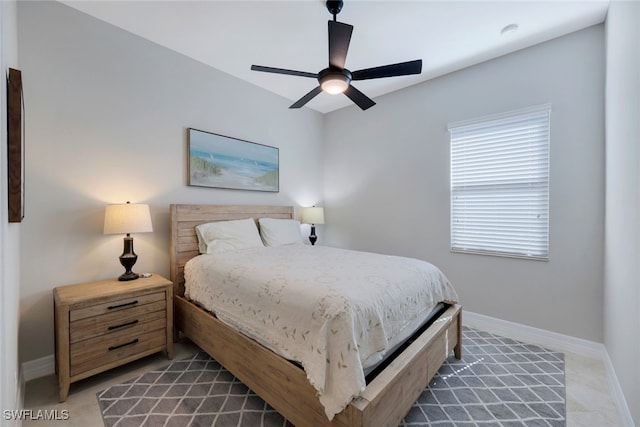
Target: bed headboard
{"points": [[184, 218]]}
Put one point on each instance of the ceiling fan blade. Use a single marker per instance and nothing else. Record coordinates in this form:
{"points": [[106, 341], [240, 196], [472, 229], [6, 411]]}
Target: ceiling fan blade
{"points": [[339, 39], [392, 70], [283, 71], [361, 100], [308, 97]]}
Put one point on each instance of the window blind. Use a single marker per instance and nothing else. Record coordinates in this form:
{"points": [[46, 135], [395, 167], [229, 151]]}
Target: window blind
{"points": [[500, 184]]}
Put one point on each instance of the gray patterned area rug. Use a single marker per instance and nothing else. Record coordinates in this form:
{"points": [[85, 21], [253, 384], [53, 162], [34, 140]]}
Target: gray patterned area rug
{"points": [[499, 382]]}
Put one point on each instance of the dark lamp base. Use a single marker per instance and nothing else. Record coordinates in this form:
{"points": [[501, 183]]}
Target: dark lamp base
{"points": [[128, 276], [128, 260], [313, 238]]}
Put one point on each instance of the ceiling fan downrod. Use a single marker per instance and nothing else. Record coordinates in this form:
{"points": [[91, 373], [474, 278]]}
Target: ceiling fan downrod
{"points": [[334, 7]]}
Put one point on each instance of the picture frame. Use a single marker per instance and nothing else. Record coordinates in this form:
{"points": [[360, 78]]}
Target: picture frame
{"points": [[220, 161], [15, 146]]}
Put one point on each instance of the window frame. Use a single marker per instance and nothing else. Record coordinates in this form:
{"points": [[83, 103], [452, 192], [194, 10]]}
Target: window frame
{"points": [[504, 121]]}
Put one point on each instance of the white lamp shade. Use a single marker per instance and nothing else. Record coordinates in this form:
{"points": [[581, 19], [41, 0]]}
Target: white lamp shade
{"points": [[127, 218], [313, 215]]}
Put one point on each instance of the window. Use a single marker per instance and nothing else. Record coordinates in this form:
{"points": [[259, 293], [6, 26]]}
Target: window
{"points": [[500, 184]]}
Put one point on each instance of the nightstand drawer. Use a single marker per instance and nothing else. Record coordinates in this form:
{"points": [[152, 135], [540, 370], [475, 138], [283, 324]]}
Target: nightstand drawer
{"points": [[115, 305], [88, 354], [113, 322]]}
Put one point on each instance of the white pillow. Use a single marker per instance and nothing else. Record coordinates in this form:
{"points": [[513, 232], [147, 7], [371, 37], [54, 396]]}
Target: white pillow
{"points": [[221, 236], [279, 232]]}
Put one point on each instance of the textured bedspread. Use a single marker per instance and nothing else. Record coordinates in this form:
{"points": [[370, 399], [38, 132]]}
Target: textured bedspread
{"points": [[332, 310]]}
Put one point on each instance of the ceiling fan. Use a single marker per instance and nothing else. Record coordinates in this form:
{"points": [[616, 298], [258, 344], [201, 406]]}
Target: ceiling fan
{"points": [[336, 79]]}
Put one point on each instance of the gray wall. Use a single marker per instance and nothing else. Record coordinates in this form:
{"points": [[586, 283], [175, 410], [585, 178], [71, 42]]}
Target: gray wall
{"points": [[107, 114], [9, 233], [622, 244], [387, 181]]}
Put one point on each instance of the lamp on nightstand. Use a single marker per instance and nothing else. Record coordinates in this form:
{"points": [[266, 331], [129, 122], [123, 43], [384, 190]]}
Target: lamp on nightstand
{"points": [[313, 216], [127, 218]]}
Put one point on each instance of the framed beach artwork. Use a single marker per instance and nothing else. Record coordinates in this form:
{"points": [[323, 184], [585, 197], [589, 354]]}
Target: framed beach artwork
{"points": [[223, 162]]}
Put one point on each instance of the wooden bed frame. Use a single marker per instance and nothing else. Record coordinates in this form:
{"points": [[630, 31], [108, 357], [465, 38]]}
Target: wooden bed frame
{"points": [[281, 383]]}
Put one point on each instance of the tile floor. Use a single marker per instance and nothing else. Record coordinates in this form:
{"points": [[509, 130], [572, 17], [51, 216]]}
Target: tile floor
{"points": [[589, 401]]}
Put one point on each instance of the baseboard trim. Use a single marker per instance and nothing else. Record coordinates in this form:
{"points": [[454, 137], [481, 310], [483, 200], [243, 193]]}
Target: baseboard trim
{"points": [[553, 340], [559, 342], [618, 394], [37, 368]]}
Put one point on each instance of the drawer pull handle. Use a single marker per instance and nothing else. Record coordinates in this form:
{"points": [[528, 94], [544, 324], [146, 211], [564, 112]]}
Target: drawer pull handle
{"points": [[115, 347], [126, 304], [133, 322]]}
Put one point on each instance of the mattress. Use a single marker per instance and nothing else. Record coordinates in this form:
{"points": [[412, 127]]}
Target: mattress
{"points": [[334, 311]]}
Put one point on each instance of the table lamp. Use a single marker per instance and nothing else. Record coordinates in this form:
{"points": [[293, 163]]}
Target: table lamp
{"points": [[313, 216], [127, 218]]}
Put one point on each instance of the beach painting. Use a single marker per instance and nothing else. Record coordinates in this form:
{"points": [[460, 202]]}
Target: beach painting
{"points": [[224, 162]]}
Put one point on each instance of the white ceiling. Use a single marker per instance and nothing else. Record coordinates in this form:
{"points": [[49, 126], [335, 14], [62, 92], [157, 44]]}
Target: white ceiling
{"points": [[447, 35]]}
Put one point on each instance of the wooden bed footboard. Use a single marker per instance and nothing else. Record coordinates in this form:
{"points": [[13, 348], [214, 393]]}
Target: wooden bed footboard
{"points": [[284, 386]]}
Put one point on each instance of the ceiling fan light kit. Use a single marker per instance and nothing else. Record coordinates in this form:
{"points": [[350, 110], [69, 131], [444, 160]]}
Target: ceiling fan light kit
{"points": [[336, 79]]}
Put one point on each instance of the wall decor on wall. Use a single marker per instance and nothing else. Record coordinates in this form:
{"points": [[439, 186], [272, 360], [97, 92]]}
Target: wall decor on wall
{"points": [[15, 146], [224, 162]]}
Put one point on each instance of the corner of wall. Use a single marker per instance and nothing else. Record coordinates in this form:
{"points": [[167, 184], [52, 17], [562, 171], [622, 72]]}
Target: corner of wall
{"points": [[622, 205], [618, 395]]}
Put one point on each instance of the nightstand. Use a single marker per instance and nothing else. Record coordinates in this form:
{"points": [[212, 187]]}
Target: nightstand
{"points": [[104, 324]]}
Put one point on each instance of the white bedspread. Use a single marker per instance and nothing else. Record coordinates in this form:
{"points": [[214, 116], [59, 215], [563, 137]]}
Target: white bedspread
{"points": [[332, 310]]}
